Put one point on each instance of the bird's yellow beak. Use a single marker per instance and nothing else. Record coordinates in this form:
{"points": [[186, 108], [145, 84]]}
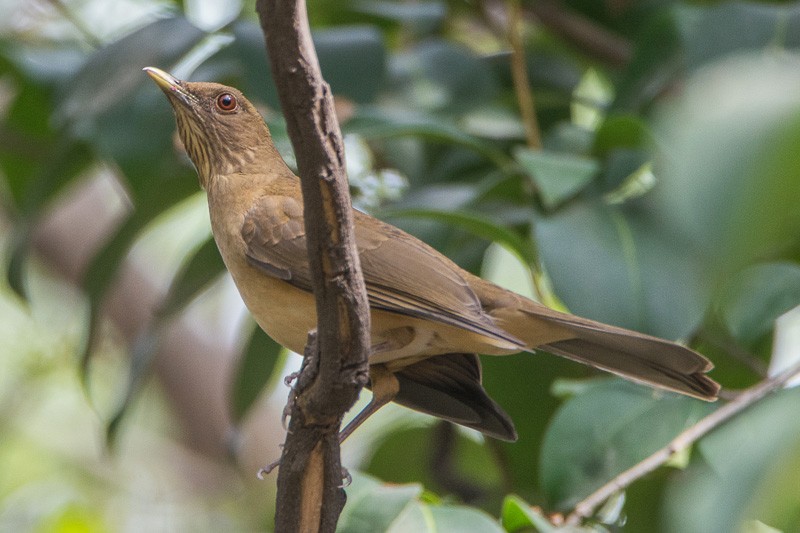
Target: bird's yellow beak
{"points": [[172, 86], [165, 80]]}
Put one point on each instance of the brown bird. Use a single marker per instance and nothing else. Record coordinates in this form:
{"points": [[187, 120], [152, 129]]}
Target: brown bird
{"points": [[429, 317]]}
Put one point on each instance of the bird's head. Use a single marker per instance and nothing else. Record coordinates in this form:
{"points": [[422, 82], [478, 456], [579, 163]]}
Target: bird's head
{"points": [[222, 132]]}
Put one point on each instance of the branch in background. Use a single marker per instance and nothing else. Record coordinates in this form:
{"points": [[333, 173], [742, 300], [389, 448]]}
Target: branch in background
{"points": [[310, 495], [519, 72], [590, 38], [585, 508]]}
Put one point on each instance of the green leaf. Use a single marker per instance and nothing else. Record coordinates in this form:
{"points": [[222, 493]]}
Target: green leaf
{"points": [[712, 32], [258, 366], [451, 75], [375, 123], [749, 472], [196, 274], [352, 60], [475, 224], [729, 189], [423, 17], [373, 506], [757, 296], [615, 265], [518, 515], [558, 177], [606, 430], [621, 131], [113, 72], [444, 518]]}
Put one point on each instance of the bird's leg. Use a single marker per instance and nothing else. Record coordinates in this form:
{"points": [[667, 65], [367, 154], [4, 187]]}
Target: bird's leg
{"points": [[384, 389]]}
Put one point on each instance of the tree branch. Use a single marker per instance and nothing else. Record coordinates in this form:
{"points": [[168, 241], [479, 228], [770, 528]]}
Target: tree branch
{"points": [[586, 507], [592, 39], [310, 495], [519, 73]]}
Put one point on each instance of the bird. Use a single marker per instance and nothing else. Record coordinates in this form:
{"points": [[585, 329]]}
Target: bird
{"points": [[429, 318]]}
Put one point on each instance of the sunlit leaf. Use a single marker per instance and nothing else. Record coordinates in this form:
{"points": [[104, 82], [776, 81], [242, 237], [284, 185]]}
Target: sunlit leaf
{"points": [[518, 515]]}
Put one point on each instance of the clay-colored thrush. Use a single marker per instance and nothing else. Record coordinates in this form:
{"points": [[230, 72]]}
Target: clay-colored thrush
{"points": [[429, 317]]}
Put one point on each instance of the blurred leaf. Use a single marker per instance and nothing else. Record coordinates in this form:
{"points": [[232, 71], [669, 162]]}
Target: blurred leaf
{"points": [[494, 123], [458, 77], [714, 31], [475, 224], [112, 73], [655, 65], [375, 123], [98, 276], [194, 276], [411, 454], [757, 296], [423, 17], [518, 515], [435, 518], [628, 174], [747, 473], [373, 506], [729, 186], [557, 176], [637, 277], [606, 430], [143, 350], [506, 269], [353, 61], [621, 131], [258, 364]]}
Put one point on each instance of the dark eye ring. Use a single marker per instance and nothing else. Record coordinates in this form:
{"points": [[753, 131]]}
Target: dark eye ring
{"points": [[226, 102]]}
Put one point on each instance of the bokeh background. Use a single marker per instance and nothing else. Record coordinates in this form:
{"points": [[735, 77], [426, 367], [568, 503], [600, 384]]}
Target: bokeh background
{"points": [[664, 195]]}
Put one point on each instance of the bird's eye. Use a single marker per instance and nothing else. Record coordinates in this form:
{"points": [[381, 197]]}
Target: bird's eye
{"points": [[226, 102]]}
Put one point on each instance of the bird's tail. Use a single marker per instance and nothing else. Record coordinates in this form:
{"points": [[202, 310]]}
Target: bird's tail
{"points": [[629, 354]]}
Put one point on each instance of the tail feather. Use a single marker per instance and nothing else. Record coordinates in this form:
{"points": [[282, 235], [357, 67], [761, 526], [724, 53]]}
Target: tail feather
{"points": [[635, 356], [449, 386]]}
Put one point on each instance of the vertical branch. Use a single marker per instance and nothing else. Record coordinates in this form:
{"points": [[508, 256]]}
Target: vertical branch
{"points": [[310, 495], [519, 73]]}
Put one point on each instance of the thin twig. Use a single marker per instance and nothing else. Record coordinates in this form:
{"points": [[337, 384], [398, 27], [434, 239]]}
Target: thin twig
{"points": [[733, 349], [589, 37], [519, 73], [748, 397]]}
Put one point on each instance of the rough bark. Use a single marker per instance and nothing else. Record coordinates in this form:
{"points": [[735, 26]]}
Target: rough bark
{"points": [[310, 494]]}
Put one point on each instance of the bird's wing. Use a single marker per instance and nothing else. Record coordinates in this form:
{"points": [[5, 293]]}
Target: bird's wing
{"points": [[403, 275]]}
